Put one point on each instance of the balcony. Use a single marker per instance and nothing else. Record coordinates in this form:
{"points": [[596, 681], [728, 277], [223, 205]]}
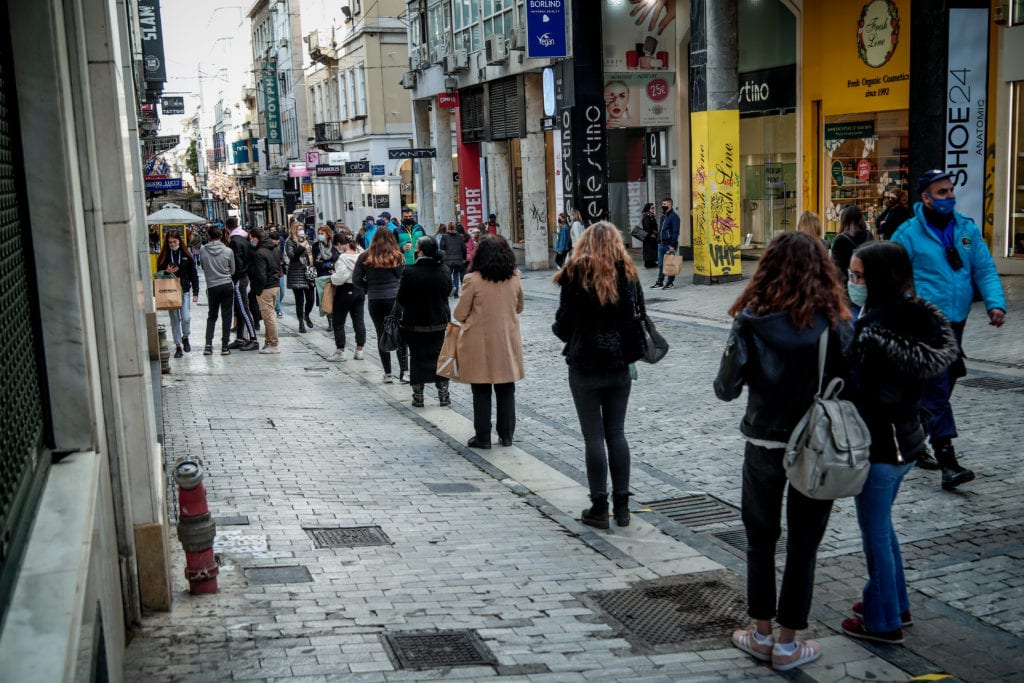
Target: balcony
{"points": [[329, 131]]}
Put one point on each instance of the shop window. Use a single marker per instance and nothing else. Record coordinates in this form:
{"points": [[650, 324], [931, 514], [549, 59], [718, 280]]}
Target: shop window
{"points": [[865, 155], [1015, 243]]}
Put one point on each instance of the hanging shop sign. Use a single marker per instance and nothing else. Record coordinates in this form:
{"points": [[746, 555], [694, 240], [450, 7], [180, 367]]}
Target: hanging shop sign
{"points": [[297, 169], [271, 107], [220, 150], [152, 41], [171, 106], [327, 170], [240, 152], [357, 166], [160, 144], [307, 194], [413, 153], [966, 84], [448, 100], [655, 148], [164, 184], [767, 89], [716, 194], [546, 34]]}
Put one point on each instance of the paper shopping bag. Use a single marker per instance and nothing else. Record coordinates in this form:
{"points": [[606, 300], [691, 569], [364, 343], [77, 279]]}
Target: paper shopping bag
{"points": [[447, 360], [167, 292], [673, 265]]}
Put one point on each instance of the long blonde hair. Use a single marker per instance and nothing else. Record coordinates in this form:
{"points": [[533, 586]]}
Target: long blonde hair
{"points": [[810, 224], [594, 262]]}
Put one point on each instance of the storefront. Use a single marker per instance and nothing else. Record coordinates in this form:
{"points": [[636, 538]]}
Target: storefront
{"points": [[1008, 232]]}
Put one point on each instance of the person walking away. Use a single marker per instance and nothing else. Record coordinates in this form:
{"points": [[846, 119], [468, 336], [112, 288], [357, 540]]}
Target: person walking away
{"points": [[324, 256], [300, 256], [950, 259], [668, 242], [596, 319], [490, 347], [792, 299], [423, 298], [377, 272], [453, 253], [577, 227], [348, 299], [177, 261], [407, 235], [894, 215], [649, 224], [264, 280], [810, 224], [241, 247], [900, 341], [442, 230], [278, 241], [563, 240], [218, 262], [853, 232]]}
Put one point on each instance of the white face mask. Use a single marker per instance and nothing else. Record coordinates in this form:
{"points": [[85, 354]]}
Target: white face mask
{"points": [[174, 247]]}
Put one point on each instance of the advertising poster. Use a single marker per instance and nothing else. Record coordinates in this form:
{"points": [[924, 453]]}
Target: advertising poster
{"points": [[546, 34], [638, 100], [966, 83], [639, 64], [716, 194]]}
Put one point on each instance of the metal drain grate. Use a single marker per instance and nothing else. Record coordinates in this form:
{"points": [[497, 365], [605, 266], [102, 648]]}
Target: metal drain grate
{"points": [[232, 520], [696, 510], [348, 537], [677, 610], [994, 383], [240, 424], [737, 538], [265, 575], [452, 488], [438, 649]]}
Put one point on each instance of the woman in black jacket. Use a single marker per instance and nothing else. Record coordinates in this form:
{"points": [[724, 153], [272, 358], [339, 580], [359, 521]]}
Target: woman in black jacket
{"points": [[423, 297], [853, 232], [793, 298], [300, 256], [900, 342], [649, 222], [179, 262], [596, 319], [377, 272], [453, 252]]}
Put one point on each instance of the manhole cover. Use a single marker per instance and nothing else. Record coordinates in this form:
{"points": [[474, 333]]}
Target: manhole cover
{"points": [[232, 520], [348, 537], [452, 488], [677, 610], [438, 649], [737, 538], [265, 575], [695, 510], [994, 383]]}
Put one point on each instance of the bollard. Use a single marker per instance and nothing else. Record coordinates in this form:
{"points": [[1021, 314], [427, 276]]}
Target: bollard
{"points": [[165, 353], [196, 529]]}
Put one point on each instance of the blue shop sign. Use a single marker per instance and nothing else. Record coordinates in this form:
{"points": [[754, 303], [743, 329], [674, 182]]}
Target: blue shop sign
{"points": [[377, 169], [164, 184], [546, 29]]}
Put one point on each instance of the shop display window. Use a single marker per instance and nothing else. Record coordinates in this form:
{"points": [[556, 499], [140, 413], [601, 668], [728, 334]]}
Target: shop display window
{"points": [[865, 155], [1015, 243]]}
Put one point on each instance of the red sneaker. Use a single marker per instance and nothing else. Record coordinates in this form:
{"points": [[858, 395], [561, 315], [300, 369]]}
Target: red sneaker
{"points": [[905, 618], [854, 627]]}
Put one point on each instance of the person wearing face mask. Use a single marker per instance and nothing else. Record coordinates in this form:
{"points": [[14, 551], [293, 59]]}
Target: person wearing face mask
{"points": [[300, 256], [649, 223], [950, 258], [408, 235], [894, 216], [179, 262], [853, 232], [324, 258], [263, 276], [668, 242]]}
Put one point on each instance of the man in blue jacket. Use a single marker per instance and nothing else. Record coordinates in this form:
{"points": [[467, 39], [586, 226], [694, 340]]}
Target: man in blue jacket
{"points": [[950, 259], [668, 242]]}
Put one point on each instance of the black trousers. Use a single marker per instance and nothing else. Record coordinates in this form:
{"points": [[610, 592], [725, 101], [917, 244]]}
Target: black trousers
{"points": [[244, 328], [764, 484], [349, 301], [303, 302], [506, 423], [601, 399], [219, 299], [379, 309]]}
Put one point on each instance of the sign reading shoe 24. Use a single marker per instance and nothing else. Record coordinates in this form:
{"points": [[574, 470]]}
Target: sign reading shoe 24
{"points": [[546, 28]]}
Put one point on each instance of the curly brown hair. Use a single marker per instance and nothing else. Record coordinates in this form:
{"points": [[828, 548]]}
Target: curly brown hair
{"points": [[795, 274], [383, 251], [594, 261]]}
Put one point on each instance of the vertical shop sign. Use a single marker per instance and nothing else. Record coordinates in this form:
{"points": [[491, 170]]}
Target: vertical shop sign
{"points": [[546, 34], [966, 116], [568, 167], [471, 196], [152, 41], [271, 108], [716, 193]]}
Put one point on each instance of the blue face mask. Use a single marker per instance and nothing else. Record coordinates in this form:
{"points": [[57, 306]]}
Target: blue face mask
{"points": [[858, 293], [943, 206]]}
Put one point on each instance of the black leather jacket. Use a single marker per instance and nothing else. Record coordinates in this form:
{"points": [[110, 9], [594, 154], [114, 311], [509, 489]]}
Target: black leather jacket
{"points": [[779, 365]]}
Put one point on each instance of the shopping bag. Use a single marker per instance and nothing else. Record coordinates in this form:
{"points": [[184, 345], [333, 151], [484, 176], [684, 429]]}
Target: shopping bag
{"points": [[447, 360], [321, 286], [672, 265], [166, 291], [391, 336], [327, 298]]}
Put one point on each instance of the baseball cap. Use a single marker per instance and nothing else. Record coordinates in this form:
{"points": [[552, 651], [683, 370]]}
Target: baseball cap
{"points": [[929, 177], [381, 221], [385, 215]]}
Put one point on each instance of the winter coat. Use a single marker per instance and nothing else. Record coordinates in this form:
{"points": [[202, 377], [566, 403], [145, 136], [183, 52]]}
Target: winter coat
{"points": [[218, 262], [344, 268], [186, 273], [378, 283], [935, 280], [490, 347], [423, 292], [266, 267], [409, 236], [576, 231], [298, 259], [891, 219], [668, 229], [597, 337], [324, 266], [896, 348], [779, 365], [242, 249], [843, 247], [453, 248], [650, 249]]}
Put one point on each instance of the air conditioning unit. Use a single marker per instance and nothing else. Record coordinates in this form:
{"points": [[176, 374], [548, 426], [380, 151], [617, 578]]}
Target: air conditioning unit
{"points": [[408, 80], [496, 50], [313, 41], [457, 60], [517, 41], [419, 59], [439, 53]]}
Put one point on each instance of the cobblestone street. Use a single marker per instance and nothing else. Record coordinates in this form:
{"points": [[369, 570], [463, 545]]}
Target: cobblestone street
{"points": [[488, 541]]}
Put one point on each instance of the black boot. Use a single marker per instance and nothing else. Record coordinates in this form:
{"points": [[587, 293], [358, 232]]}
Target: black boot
{"points": [[302, 326], [417, 395], [620, 508], [330, 322], [309, 323], [597, 515], [443, 397], [927, 461], [952, 473]]}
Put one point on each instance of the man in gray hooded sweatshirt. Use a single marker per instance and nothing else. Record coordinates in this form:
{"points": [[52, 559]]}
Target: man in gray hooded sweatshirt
{"points": [[218, 263]]}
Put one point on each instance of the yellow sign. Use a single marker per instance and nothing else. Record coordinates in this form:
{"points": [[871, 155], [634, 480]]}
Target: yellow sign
{"points": [[865, 56], [715, 137]]}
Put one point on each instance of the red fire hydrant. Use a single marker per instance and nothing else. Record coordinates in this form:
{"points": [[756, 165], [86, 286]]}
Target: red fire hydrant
{"points": [[196, 529]]}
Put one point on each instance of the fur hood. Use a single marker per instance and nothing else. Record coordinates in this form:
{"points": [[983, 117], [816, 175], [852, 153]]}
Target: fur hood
{"points": [[911, 337]]}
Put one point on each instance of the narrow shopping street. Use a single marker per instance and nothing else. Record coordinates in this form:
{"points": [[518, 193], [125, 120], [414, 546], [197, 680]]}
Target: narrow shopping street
{"points": [[479, 554]]}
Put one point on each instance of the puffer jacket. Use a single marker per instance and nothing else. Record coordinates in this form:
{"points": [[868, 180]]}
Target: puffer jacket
{"points": [[896, 348], [265, 271], [778, 363], [298, 259], [453, 249]]}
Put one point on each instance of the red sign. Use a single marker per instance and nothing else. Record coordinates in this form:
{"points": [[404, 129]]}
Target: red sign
{"points": [[863, 170], [157, 176], [471, 197], [448, 100]]}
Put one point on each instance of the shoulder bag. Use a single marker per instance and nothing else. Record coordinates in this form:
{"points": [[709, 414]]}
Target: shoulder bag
{"points": [[655, 346], [391, 335]]}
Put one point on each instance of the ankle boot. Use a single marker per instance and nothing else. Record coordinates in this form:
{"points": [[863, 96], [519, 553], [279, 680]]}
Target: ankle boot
{"points": [[443, 397], [417, 395], [952, 473], [620, 508], [330, 322], [927, 461], [597, 515], [302, 326]]}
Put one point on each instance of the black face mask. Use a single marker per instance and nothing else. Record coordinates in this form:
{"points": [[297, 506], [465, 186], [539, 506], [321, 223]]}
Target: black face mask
{"points": [[407, 221], [664, 209]]}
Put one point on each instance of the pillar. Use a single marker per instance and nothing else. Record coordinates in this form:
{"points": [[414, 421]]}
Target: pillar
{"points": [[535, 196], [425, 178], [499, 185], [715, 135], [444, 189]]}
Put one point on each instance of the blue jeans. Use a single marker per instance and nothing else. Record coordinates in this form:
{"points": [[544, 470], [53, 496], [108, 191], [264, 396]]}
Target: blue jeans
{"points": [[662, 250], [885, 594], [181, 319], [282, 285]]}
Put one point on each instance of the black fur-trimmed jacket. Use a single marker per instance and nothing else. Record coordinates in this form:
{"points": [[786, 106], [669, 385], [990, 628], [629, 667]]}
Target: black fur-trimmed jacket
{"points": [[896, 348]]}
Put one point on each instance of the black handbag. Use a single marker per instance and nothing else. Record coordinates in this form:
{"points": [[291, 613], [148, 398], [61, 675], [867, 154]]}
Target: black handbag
{"points": [[638, 233], [391, 334], [655, 346]]}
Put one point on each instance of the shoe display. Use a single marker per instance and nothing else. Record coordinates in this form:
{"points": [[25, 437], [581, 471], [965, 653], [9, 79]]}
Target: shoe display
{"points": [[670, 285], [177, 352], [270, 349], [207, 350], [806, 651], [338, 357], [389, 378], [185, 346], [250, 346], [905, 618], [237, 344], [657, 285], [478, 443], [854, 627], [358, 355], [744, 640]]}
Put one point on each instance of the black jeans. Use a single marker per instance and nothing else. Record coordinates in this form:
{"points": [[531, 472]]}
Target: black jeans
{"points": [[379, 308], [764, 483], [349, 300], [303, 302], [219, 299], [506, 422], [601, 399], [243, 314]]}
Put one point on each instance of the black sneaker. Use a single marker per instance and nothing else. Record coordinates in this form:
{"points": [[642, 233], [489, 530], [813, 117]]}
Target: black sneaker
{"points": [[670, 285], [237, 344], [207, 350], [185, 346], [178, 353], [657, 285], [954, 476], [250, 346], [225, 351]]}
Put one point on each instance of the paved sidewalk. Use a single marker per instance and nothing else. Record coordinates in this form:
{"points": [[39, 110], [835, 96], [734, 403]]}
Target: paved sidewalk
{"points": [[487, 540]]}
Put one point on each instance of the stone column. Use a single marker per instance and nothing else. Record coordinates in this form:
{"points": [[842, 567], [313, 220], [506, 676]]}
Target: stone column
{"points": [[499, 185], [444, 189], [425, 178], [535, 198]]}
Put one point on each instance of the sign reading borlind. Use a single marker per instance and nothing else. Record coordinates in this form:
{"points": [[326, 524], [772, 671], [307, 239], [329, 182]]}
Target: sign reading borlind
{"points": [[152, 41], [271, 108], [413, 153], [545, 28]]}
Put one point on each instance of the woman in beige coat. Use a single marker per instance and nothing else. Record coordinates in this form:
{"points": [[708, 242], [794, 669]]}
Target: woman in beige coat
{"points": [[490, 347]]}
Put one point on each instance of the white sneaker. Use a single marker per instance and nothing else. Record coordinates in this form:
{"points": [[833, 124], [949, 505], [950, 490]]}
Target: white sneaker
{"points": [[359, 354], [388, 378], [339, 355], [267, 348]]}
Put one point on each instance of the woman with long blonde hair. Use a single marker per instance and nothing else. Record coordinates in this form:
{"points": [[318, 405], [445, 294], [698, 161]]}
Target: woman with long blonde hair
{"points": [[300, 256], [596, 319], [377, 272]]}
